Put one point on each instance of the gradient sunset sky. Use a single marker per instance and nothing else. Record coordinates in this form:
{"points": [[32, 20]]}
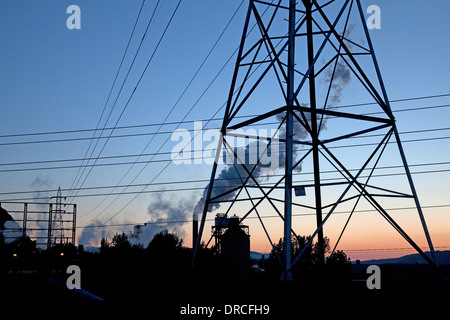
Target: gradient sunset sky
{"points": [[54, 79]]}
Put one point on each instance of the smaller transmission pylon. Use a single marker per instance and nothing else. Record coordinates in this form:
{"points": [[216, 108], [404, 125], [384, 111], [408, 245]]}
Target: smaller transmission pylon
{"points": [[57, 230]]}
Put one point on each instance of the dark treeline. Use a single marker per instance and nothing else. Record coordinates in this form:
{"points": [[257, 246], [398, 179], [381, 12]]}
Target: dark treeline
{"points": [[161, 273], [162, 268], [120, 270]]}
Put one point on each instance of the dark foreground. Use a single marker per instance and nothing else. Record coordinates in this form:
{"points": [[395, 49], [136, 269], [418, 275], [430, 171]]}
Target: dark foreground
{"points": [[139, 285]]}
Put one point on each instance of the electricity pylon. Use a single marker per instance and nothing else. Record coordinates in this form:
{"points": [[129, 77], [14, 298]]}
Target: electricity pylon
{"points": [[57, 233], [296, 61]]}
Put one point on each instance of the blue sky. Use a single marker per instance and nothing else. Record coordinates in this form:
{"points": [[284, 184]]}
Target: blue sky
{"points": [[56, 79]]}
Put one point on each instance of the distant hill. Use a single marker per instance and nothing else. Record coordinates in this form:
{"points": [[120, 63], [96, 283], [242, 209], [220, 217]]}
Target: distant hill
{"points": [[442, 257], [258, 256], [91, 249]]}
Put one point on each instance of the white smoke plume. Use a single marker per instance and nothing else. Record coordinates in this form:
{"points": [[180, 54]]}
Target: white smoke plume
{"points": [[163, 213], [38, 228], [91, 235], [341, 78], [228, 178]]}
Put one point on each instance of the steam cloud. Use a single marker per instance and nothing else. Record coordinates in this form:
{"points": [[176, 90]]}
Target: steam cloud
{"points": [[39, 196], [341, 79], [162, 209], [91, 236], [159, 212], [41, 183], [229, 176]]}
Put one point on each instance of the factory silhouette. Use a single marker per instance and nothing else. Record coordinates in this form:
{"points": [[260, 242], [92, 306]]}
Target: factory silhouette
{"points": [[31, 272], [120, 271]]}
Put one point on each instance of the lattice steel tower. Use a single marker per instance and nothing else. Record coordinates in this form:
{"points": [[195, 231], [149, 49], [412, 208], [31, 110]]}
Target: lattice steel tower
{"points": [[57, 232], [296, 61]]}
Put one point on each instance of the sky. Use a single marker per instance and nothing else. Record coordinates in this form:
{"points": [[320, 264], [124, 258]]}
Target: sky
{"points": [[56, 79]]}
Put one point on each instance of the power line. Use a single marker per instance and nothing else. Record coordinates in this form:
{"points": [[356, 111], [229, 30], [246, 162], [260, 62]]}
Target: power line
{"points": [[76, 181], [116, 163], [132, 135], [169, 113], [162, 222], [157, 153], [396, 100], [171, 123], [392, 249], [77, 175], [206, 180], [191, 110], [134, 90], [184, 189], [201, 96], [193, 151]]}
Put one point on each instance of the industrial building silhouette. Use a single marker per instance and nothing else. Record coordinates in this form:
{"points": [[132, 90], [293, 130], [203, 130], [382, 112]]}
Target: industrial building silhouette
{"points": [[232, 244]]}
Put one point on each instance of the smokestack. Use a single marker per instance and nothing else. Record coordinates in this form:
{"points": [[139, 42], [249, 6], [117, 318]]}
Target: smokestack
{"points": [[194, 229]]}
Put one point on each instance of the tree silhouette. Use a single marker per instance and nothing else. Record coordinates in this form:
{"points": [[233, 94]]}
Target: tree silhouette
{"points": [[166, 255], [164, 243], [105, 245], [120, 241], [338, 257], [119, 244], [309, 259], [310, 254]]}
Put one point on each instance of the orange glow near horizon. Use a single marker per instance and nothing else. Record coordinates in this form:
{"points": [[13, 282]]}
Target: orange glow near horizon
{"points": [[367, 237]]}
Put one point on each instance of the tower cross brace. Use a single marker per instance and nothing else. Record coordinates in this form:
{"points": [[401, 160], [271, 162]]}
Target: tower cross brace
{"points": [[276, 55]]}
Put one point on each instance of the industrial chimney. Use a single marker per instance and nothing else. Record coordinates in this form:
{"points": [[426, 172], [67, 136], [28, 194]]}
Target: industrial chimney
{"points": [[194, 229]]}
